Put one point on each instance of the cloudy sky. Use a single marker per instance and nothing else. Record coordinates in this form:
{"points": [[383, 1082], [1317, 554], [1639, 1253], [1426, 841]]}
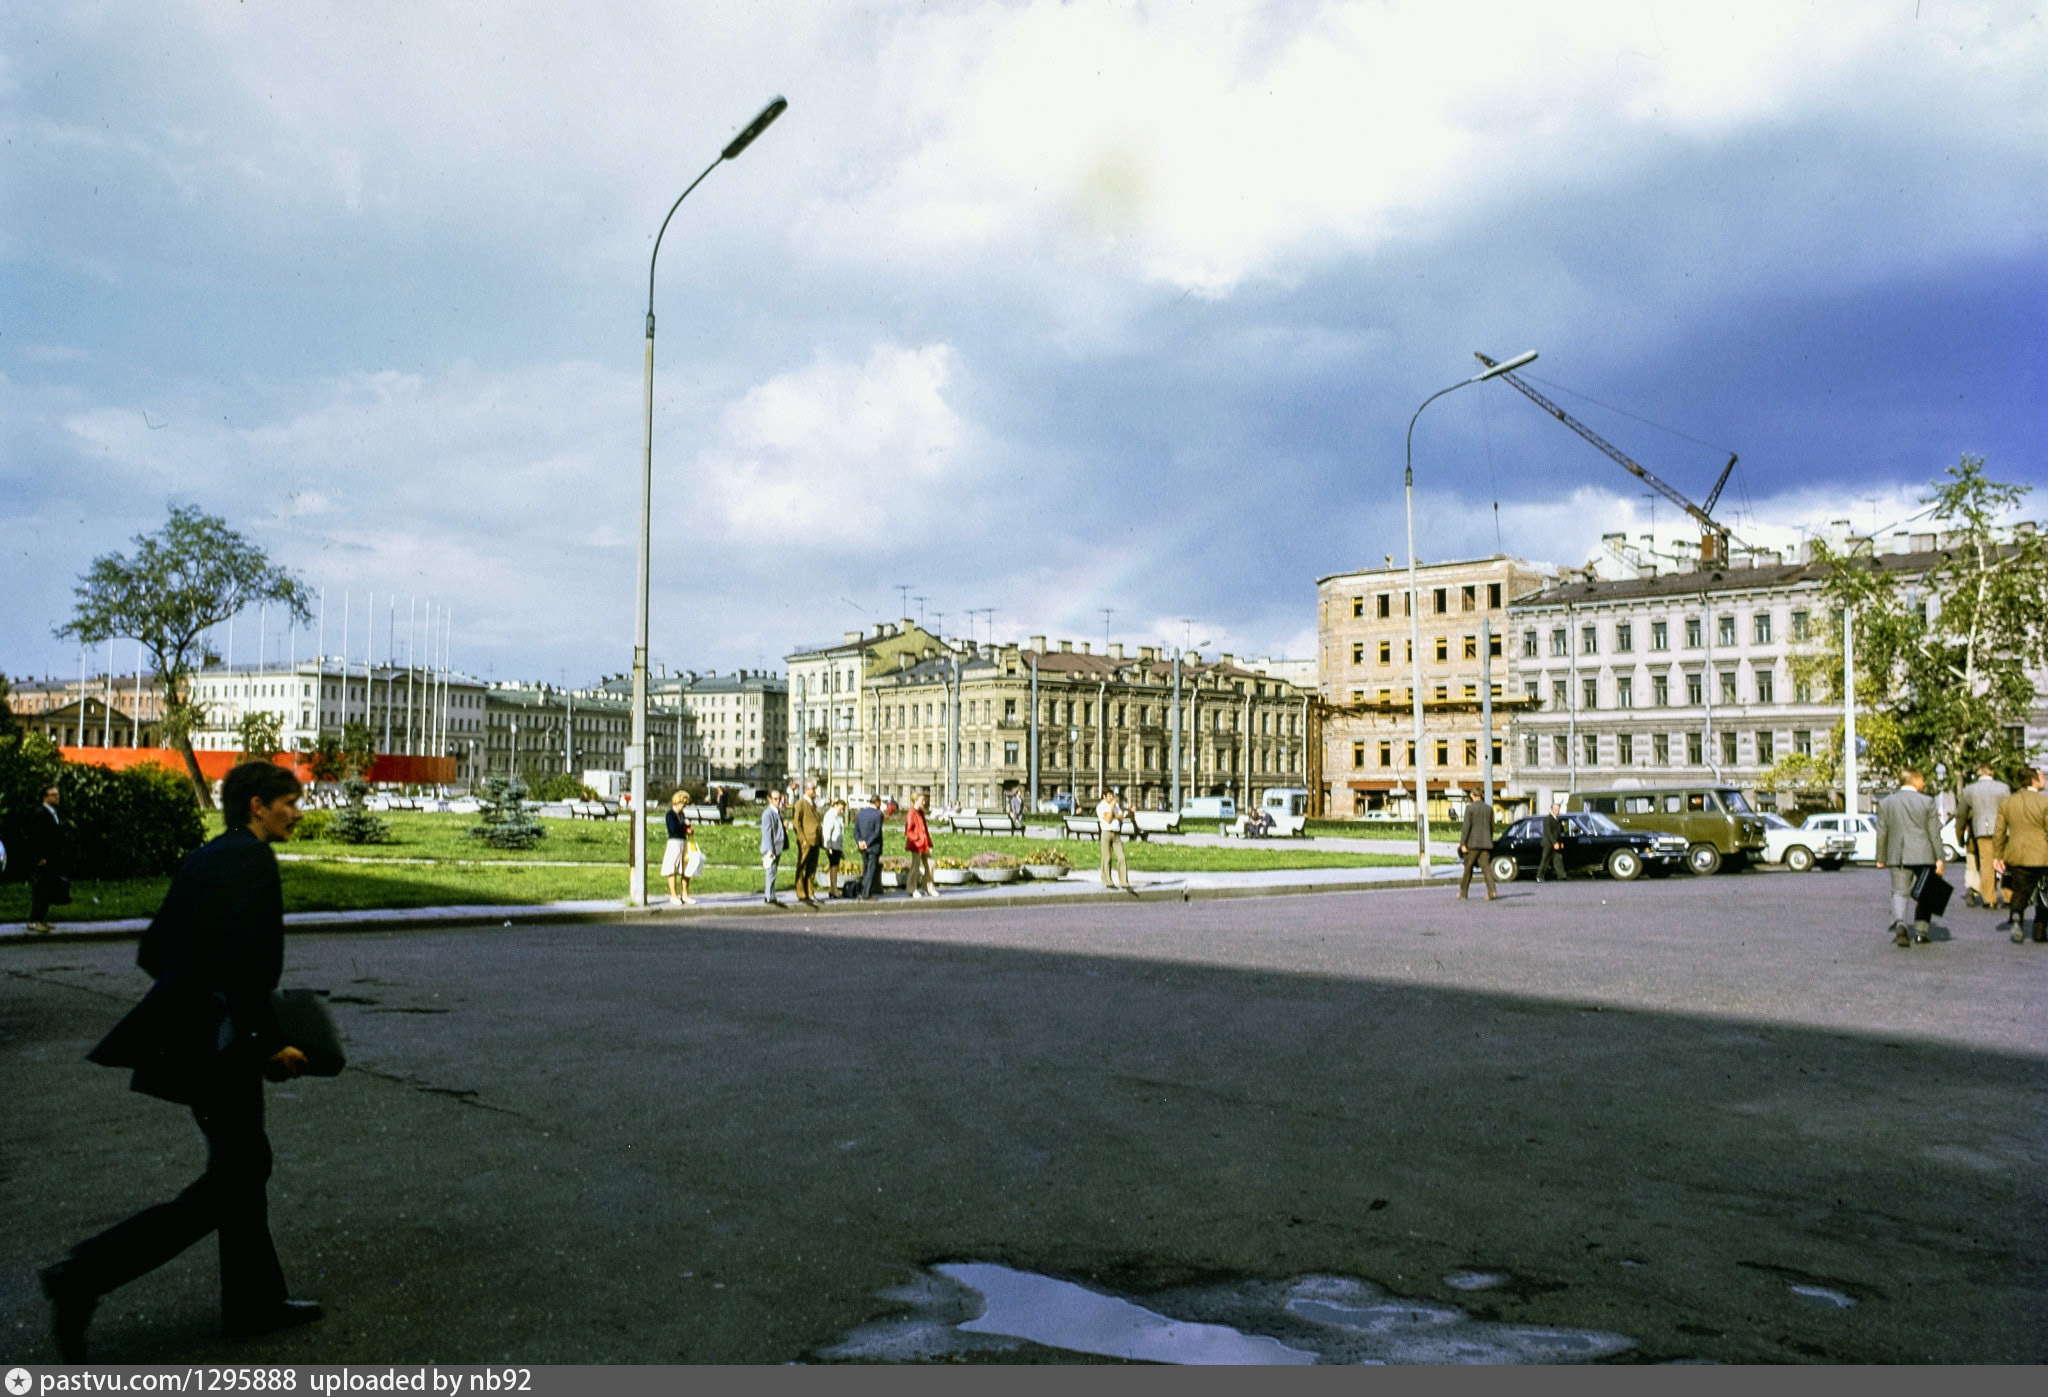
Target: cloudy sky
{"points": [[1046, 308]]}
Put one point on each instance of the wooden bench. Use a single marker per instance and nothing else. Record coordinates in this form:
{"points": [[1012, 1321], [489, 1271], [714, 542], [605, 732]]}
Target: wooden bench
{"points": [[1090, 827], [592, 810], [703, 815], [973, 822], [1151, 822]]}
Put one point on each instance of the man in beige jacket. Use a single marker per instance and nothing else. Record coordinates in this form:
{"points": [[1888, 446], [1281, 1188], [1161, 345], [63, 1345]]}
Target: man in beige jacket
{"points": [[2020, 844]]}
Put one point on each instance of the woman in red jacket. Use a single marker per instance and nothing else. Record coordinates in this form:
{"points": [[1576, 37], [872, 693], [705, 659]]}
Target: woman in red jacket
{"points": [[917, 838]]}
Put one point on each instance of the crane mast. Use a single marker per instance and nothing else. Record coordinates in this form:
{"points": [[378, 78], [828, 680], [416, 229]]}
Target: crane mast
{"points": [[1714, 535]]}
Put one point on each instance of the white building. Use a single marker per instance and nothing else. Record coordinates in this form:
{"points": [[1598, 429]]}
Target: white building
{"points": [[410, 711]]}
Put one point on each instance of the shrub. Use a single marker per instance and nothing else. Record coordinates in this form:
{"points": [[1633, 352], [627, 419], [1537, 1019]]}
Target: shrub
{"points": [[136, 823], [563, 786], [353, 824], [507, 824], [1049, 855], [313, 825]]}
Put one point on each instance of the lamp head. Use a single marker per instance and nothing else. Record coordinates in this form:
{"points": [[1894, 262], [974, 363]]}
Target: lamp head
{"points": [[1527, 356], [754, 128]]}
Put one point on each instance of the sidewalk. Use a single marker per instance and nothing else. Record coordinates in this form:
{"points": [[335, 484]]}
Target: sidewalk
{"points": [[1082, 885]]}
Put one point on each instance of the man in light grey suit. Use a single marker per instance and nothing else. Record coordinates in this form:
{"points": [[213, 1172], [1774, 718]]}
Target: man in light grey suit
{"points": [[1908, 840], [774, 839]]}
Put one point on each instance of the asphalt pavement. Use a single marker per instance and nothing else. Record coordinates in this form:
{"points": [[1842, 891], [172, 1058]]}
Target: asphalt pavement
{"points": [[1721, 1119]]}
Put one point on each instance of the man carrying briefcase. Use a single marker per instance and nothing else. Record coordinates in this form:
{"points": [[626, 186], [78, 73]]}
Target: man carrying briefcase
{"points": [[206, 1036]]}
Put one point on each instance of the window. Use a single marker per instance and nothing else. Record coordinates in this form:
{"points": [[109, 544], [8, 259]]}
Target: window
{"points": [[1472, 692], [1692, 632], [1590, 688], [1358, 606], [1724, 632], [1442, 597], [1386, 695], [1760, 627], [1802, 742], [1559, 751], [1357, 754], [1471, 751], [1589, 742], [1469, 596], [1802, 691], [1695, 688], [1558, 644], [1493, 596], [1560, 695], [1660, 635], [1386, 652], [1728, 686], [1386, 602], [1408, 651], [1800, 624], [1625, 691], [1529, 645], [1660, 749], [1695, 754], [1728, 749], [1386, 754], [1529, 750], [1532, 690], [1589, 640], [1358, 652], [1625, 749], [1766, 686], [1766, 748], [1443, 648], [1470, 647], [1441, 693], [1660, 690], [1443, 751], [1624, 637], [1411, 753], [1493, 646]]}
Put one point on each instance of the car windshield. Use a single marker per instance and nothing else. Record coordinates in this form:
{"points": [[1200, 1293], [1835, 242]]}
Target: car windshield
{"points": [[1734, 801], [1597, 824]]}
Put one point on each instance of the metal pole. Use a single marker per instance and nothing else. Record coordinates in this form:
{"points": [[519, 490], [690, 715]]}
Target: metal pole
{"points": [[107, 704], [1850, 774], [1486, 702], [1707, 683], [1176, 729], [1034, 734], [568, 725], [1415, 670], [1571, 696], [82, 691]]}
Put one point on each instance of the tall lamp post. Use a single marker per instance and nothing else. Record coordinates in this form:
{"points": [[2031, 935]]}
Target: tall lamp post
{"points": [[1415, 610], [636, 754]]}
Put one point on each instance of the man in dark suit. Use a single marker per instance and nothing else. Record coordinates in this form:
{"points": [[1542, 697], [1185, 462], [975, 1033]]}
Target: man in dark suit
{"points": [[1475, 845], [1554, 834], [46, 862], [206, 1036], [867, 837]]}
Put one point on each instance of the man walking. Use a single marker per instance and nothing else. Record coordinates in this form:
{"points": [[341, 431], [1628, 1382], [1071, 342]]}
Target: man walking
{"points": [[46, 861], [867, 839], [206, 1036], [1554, 831], [808, 825], [774, 839], [1908, 842], [1976, 823], [1109, 816], [2019, 843], [1475, 845]]}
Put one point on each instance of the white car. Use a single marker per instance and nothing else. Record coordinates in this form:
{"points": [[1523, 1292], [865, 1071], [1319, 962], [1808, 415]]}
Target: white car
{"points": [[1864, 827], [1800, 847]]}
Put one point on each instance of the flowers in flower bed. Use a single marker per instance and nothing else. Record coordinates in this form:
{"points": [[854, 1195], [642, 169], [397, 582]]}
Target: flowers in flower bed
{"points": [[895, 863], [1048, 856], [944, 862], [989, 858]]}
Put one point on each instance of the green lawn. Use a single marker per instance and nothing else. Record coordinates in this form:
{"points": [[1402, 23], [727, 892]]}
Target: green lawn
{"points": [[465, 871]]}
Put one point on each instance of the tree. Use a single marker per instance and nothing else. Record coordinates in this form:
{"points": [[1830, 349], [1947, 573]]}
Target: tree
{"points": [[9, 728], [322, 757], [358, 747], [191, 575], [1945, 659], [260, 734], [507, 823], [353, 823]]}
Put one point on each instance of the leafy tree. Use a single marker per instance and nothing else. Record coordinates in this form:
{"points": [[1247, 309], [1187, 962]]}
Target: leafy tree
{"points": [[358, 747], [353, 823], [260, 734], [563, 786], [191, 575], [507, 823], [9, 728], [322, 757], [1945, 659]]}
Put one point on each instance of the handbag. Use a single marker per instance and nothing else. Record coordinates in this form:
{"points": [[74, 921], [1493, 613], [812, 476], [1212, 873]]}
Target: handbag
{"points": [[307, 1026], [693, 860]]}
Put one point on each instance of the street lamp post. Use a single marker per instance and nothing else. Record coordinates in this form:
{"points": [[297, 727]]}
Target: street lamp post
{"points": [[636, 754], [1415, 610]]}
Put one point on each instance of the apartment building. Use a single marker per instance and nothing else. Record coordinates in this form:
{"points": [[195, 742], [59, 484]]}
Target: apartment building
{"points": [[535, 731], [824, 740], [410, 711], [742, 722], [1365, 679]]}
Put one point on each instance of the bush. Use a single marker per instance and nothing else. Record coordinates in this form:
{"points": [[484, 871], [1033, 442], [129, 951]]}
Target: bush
{"points": [[507, 825], [313, 825], [136, 823], [353, 823], [563, 786]]}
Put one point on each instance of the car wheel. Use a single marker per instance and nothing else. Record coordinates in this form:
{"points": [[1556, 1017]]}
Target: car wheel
{"points": [[1505, 869], [1624, 865], [1799, 859], [1831, 865], [1703, 859]]}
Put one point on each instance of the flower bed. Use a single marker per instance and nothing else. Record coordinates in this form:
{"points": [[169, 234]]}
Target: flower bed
{"points": [[990, 866]]}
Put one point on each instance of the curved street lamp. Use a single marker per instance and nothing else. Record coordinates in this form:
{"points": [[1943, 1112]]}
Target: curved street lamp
{"points": [[1527, 356], [636, 754]]}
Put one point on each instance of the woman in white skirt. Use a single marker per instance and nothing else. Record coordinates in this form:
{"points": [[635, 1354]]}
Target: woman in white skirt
{"points": [[675, 857]]}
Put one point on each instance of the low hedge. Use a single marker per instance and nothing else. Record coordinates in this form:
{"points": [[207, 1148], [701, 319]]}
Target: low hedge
{"points": [[136, 823]]}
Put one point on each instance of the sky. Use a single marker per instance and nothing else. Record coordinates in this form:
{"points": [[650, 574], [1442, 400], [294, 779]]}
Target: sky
{"points": [[1053, 310]]}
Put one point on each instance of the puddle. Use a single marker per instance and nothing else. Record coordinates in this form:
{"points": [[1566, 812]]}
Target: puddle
{"points": [[981, 1307], [1821, 1295], [1477, 1280]]}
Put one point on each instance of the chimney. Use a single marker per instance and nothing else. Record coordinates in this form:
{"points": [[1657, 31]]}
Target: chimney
{"points": [[1116, 652], [1084, 647], [1227, 658], [853, 638], [1148, 652], [1038, 644], [1067, 648]]}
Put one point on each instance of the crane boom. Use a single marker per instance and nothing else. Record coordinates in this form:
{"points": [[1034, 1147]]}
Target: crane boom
{"points": [[1715, 535]]}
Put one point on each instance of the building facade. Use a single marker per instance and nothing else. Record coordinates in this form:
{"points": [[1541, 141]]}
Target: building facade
{"points": [[741, 722], [536, 731], [410, 711], [826, 705], [1366, 684]]}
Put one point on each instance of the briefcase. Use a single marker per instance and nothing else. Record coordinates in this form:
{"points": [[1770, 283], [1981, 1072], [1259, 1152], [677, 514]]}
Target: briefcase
{"points": [[1930, 895], [302, 1015]]}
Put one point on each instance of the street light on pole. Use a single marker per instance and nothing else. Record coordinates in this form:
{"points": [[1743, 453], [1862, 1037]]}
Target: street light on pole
{"points": [[1527, 356], [636, 754]]}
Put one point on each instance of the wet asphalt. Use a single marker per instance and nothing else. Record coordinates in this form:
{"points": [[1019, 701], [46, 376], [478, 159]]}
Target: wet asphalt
{"points": [[1700, 1113]]}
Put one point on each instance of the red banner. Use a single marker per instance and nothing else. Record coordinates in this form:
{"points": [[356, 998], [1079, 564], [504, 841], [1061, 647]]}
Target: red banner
{"points": [[384, 771]]}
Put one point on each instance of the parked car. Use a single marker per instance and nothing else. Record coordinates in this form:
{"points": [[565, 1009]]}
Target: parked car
{"points": [[1592, 844], [1864, 829], [1716, 822], [1800, 847]]}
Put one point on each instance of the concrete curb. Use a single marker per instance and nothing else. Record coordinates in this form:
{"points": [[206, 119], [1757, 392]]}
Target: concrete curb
{"points": [[457, 918]]}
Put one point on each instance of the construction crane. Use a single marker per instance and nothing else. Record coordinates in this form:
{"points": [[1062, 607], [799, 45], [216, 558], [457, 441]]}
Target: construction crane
{"points": [[1714, 535]]}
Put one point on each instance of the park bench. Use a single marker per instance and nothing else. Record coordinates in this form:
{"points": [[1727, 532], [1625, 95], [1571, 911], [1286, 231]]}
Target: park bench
{"points": [[974, 822], [703, 815], [1151, 822], [592, 810], [1090, 827]]}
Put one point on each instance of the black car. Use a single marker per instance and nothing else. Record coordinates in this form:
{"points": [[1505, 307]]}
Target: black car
{"points": [[1592, 844]]}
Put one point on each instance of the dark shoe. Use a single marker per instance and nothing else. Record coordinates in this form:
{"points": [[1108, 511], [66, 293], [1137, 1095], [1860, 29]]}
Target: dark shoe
{"points": [[1970, 898], [1900, 935], [2019, 932], [70, 1311], [1920, 932], [288, 1314]]}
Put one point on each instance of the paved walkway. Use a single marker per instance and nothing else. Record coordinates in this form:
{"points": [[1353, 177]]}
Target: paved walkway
{"points": [[1081, 884]]}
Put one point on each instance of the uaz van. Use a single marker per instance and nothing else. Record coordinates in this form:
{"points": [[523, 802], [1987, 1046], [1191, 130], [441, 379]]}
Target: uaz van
{"points": [[1717, 822]]}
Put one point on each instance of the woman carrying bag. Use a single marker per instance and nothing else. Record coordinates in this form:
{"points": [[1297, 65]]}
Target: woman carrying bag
{"points": [[681, 859]]}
